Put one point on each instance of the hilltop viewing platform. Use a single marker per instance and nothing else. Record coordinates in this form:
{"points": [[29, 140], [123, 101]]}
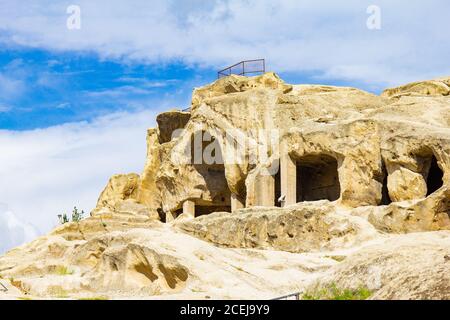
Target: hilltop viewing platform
{"points": [[244, 68]]}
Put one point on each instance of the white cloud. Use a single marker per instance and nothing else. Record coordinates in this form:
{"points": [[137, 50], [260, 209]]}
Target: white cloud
{"points": [[48, 171], [325, 37], [13, 231], [143, 82], [64, 105], [123, 91]]}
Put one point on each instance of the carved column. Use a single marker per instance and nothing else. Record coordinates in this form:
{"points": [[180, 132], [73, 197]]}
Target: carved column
{"points": [[236, 203], [288, 178], [189, 208], [265, 190]]}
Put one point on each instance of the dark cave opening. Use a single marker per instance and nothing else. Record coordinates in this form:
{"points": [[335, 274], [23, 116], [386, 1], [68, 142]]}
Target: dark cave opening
{"points": [[317, 178], [277, 189], [385, 198], [435, 177]]}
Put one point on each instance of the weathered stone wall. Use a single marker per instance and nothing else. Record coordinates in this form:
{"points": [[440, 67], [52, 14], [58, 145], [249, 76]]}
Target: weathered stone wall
{"points": [[381, 149]]}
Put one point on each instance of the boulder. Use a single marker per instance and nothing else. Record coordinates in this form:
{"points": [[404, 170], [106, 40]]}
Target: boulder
{"points": [[119, 188], [408, 267], [310, 227]]}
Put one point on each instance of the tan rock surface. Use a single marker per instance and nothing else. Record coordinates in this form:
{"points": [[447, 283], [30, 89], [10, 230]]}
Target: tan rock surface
{"points": [[438, 87], [382, 146], [407, 267], [404, 184], [8, 291], [371, 168], [120, 187], [431, 214], [301, 228], [169, 122], [150, 260]]}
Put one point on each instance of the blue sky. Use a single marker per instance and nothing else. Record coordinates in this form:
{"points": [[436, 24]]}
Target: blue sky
{"points": [[50, 89], [75, 104], [45, 88], [136, 55]]}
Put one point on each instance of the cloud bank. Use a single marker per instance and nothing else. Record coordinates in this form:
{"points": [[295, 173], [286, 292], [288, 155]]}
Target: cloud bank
{"points": [[48, 171], [328, 38], [13, 232]]}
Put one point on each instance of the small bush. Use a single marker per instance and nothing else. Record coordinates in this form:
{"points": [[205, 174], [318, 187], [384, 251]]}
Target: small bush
{"points": [[334, 293], [63, 218], [77, 216]]}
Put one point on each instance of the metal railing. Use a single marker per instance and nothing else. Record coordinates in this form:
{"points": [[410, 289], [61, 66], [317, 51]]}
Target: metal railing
{"points": [[244, 68], [294, 296], [3, 288]]}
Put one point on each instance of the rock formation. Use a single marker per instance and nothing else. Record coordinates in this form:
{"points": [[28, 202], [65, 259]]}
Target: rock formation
{"points": [[276, 179]]}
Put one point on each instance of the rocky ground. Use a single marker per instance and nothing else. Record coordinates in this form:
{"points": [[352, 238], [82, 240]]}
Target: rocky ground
{"points": [[122, 255], [383, 163]]}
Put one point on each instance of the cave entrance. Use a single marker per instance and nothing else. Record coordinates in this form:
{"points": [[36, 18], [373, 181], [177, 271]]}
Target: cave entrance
{"points": [[317, 178], [434, 177], [178, 213], [207, 159], [385, 198], [277, 190], [208, 209]]}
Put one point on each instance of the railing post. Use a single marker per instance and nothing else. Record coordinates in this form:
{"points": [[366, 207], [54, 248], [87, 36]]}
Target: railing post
{"points": [[5, 289]]}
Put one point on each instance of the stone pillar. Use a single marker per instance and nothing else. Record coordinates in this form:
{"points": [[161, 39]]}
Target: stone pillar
{"points": [[288, 176], [189, 208], [265, 190], [236, 203]]}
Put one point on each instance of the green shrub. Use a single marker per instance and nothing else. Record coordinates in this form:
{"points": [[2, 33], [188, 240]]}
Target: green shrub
{"points": [[63, 218], [77, 216], [334, 293]]}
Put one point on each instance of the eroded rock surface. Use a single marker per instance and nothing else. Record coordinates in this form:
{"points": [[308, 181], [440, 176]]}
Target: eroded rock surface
{"points": [[407, 267], [304, 228], [351, 147], [120, 187], [117, 257], [356, 186]]}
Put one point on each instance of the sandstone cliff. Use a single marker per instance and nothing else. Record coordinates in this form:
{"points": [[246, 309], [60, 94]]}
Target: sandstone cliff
{"points": [[317, 172], [389, 152]]}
